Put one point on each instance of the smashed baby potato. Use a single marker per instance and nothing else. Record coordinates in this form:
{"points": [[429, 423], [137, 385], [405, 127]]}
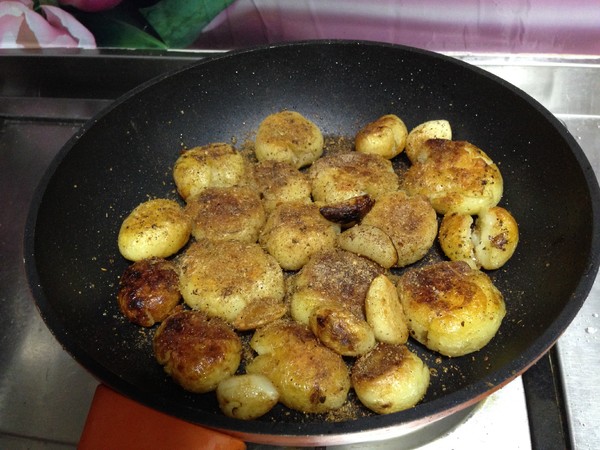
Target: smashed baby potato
{"points": [[397, 231], [295, 231], [324, 276], [148, 291], [303, 302], [456, 238], [450, 307], [155, 228], [279, 182], [340, 330], [308, 376], [290, 137], [496, 236], [341, 176], [432, 129], [456, 176], [213, 279], [226, 213], [384, 312], [212, 165], [259, 313], [246, 396], [198, 352], [410, 222], [487, 242], [385, 137], [371, 242], [390, 378]]}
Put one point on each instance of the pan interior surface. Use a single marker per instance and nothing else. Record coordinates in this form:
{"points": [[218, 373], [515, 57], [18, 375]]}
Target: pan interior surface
{"points": [[125, 156]]}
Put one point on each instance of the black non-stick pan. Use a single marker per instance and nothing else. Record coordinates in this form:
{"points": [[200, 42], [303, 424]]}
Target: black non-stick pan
{"points": [[125, 155]]}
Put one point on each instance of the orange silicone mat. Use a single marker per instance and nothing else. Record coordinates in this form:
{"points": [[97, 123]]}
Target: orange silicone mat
{"points": [[117, 422]]}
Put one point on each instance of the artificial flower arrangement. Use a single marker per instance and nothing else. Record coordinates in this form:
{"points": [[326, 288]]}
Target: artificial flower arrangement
{"points": [[137, 24]]}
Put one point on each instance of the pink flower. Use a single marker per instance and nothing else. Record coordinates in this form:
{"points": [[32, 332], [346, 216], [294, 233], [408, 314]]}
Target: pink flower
{"points": [[91, 5], [21, 27]]}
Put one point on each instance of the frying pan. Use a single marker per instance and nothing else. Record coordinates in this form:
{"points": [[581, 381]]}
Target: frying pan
{"points": [[125, 155]]}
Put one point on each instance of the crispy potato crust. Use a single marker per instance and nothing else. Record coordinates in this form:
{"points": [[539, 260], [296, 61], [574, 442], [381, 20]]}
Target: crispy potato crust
{"points": [[234, 212], [308, 376], [279, 182], [390, 378], [456, 176], [334, 276], [385, 137], [432, 129], [295, 231], [197, 351], [148, 291], [213, 165], [341, 176], [290, 137], [231, 280], [451, 308], [410, 222]]}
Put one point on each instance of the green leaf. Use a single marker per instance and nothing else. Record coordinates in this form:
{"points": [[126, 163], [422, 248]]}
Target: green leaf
{"points": [[115, 33], [116, 28], [180, 22]]}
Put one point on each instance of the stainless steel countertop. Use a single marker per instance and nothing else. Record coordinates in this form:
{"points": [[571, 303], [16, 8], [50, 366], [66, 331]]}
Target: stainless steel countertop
{"points": [[570, 89], [45, 395]]}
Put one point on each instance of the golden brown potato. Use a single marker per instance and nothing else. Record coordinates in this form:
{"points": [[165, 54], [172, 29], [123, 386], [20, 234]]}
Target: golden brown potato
{"points": [[246, 396], [148, 291], [155, 228], [370, 242], [212, 165], [456, 238], [258, 313], [295, 231], [385, 137], [390, 378], [489, 243], [456, 176], [290, 137], [332, 277], [340, 330], [280, 182], [432, 129], [226, 213], [384, 312], [451, 308], [231, 279], [280, 334], [496, 236], [410, 222], [341, 176], [196, 351], [308, 376]]}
